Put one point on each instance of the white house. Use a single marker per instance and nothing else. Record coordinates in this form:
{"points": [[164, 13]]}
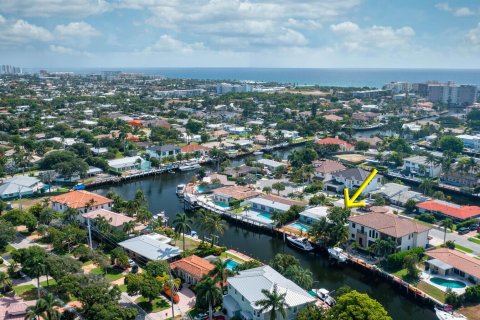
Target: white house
{"points": [[245, 289], [313, 214], [352, 179], [270, 203], [19, 186], [365, 229], [419, 165], [164, 151], [271, 164], [129, 163]]}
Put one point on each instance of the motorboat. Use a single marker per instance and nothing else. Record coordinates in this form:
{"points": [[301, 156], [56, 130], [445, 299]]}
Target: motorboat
{"points": [[180, 191], [300, 243], [161, 216], [449, 315], [189, 166], [324, 295], [258, 153], [337, 253]]}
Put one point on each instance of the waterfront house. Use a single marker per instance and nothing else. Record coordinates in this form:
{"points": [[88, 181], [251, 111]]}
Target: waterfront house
{"points": [[245, 289], [399, 194], [270, 203], [290, 134], [216, 180], [161, 152], [372, 142], [151, 247], [313, 214], [230, 193], [460, 177], [260, 139], [271, 164], [129, 163], [219, 134], [114, 219], [352, 179], [470, 141], [333, 118], [450, 210], [19, 186], [191, 269], [365, 229], [325, 167], [420, 166], [80, 200], [241, 171], [342, 145], [447, 263], [194, 148]]}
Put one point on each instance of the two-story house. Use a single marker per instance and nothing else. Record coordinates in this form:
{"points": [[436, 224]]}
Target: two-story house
{"points": [[245, 289], [324, 168], [367, 228], [421, 166], [164, 151], [352, 179], [129, 163], [80, 200]]}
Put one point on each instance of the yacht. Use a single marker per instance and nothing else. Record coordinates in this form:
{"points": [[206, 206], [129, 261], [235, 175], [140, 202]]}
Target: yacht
{"points": [[180, 190], [337, 253], [324, 295], [189, 166], [449, 315], [300, 243]]}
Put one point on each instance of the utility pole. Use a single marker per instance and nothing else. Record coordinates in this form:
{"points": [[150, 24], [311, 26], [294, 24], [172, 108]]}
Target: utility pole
{"points": [[89, 234]]}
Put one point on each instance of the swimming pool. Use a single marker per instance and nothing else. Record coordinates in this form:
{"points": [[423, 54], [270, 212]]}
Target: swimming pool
{"points": [[221, 204], [265, 215], [231, 264], [300, 226], [455, 284], [201, 189]]}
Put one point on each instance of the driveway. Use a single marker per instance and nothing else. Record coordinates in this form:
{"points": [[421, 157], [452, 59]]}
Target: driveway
{"points": [[187, 302]]}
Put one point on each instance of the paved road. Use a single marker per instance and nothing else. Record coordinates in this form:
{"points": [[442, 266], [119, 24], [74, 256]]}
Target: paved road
{"points": [[461, 240]]}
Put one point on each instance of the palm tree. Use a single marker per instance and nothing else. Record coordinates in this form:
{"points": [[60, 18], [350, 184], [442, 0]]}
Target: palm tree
{"points": [[207, 289], [70, 215], [221, 273], [427, 185], [38, 269], [36, 311], [273, 302], [308, 170], [446, 224], [129, 226], [5, 281], [50, 303], [182, 224], [216, 226]]}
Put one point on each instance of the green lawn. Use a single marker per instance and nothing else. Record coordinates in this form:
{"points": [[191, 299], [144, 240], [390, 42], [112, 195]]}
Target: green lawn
{"points": [[432, 291], [157, 305], [8, 248], [225, 255], [86, 263], [27, 292], [475, 240], [123, 287], [112, 274], [51, 282], [462, 248]]}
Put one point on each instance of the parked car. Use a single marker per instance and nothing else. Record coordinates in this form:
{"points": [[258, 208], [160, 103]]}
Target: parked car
{"points": [[131, 262], [463, 230], [473, 227]]}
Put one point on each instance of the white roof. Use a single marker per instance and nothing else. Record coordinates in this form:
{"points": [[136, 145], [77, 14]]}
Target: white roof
{"points": [[250, 283], [150, 248], [269, 203], [315, 212], [271, 163], [127, 161]]}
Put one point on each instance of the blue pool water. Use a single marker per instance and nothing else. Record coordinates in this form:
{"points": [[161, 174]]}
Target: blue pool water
{"points": [[201, 189], [231, 264], [300, 226], [267, 216], [448, 283], [221, 204]]}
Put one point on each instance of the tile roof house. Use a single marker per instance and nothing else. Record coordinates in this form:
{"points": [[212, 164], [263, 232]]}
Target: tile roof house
{"points": [[372, 142], [343, 145], [352, 179], [81, 200], [192, 268], [230, 193], [333, 118], [245, 289], [452, 210], [399, 194], [194, 148], [447, 262], [367, 228], [325, 167], [114, 219], [13, 308]]}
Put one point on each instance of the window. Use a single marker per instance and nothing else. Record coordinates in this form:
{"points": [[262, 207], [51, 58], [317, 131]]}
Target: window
{"points": [[353, 225], [243, 299], [353, 235]]}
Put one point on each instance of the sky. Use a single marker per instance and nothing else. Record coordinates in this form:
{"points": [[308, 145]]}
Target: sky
{"points": [[238, 33]]}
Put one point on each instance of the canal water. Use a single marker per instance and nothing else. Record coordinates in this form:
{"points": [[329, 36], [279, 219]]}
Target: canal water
{"points": [[160, 191]]}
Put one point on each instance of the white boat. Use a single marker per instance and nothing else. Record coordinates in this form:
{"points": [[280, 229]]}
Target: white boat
{"points": [[337, 253], [446, 315], [189, 166], [180, 190], [300, 243], [258, 153], [324, 295]]}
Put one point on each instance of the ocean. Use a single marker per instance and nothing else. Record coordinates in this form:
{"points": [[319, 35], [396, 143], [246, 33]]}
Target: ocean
{"points": [[306, 76]]}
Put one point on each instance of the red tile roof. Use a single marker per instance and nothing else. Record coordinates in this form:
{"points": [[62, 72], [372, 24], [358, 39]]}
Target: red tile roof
{"points": [[189, 148], [287, 201], [458, 260], [450, 209], [327, 166], [335, 141], [236, 192], [79, 198], [113, 218], [193, 265]]}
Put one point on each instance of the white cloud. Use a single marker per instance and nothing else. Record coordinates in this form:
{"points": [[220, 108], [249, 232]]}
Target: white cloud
{"points": [[2, 19], [49, 8], [60, 49], [473, 36], [167, 43], [354, 37], [20, 31], [76, 29], [458, 12]]}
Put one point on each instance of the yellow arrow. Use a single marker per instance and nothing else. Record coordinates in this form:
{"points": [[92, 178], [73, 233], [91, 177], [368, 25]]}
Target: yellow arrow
{"points": [[350, 202]]}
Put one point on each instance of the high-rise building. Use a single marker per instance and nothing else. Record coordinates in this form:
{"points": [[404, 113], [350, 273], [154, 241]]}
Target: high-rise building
{"points": [[450, 93], [6, 69], [398, 87], [223, 88], [467, 95]]}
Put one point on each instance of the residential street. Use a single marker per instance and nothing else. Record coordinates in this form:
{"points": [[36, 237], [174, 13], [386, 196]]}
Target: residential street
{"points": [[461, 240]]}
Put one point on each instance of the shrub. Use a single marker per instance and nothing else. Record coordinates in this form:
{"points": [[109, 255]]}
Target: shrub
{"points": [[1, 260], [453, 299], [472, 294], [314, 187], [396, 260], [426, 217], [467, 223]]}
